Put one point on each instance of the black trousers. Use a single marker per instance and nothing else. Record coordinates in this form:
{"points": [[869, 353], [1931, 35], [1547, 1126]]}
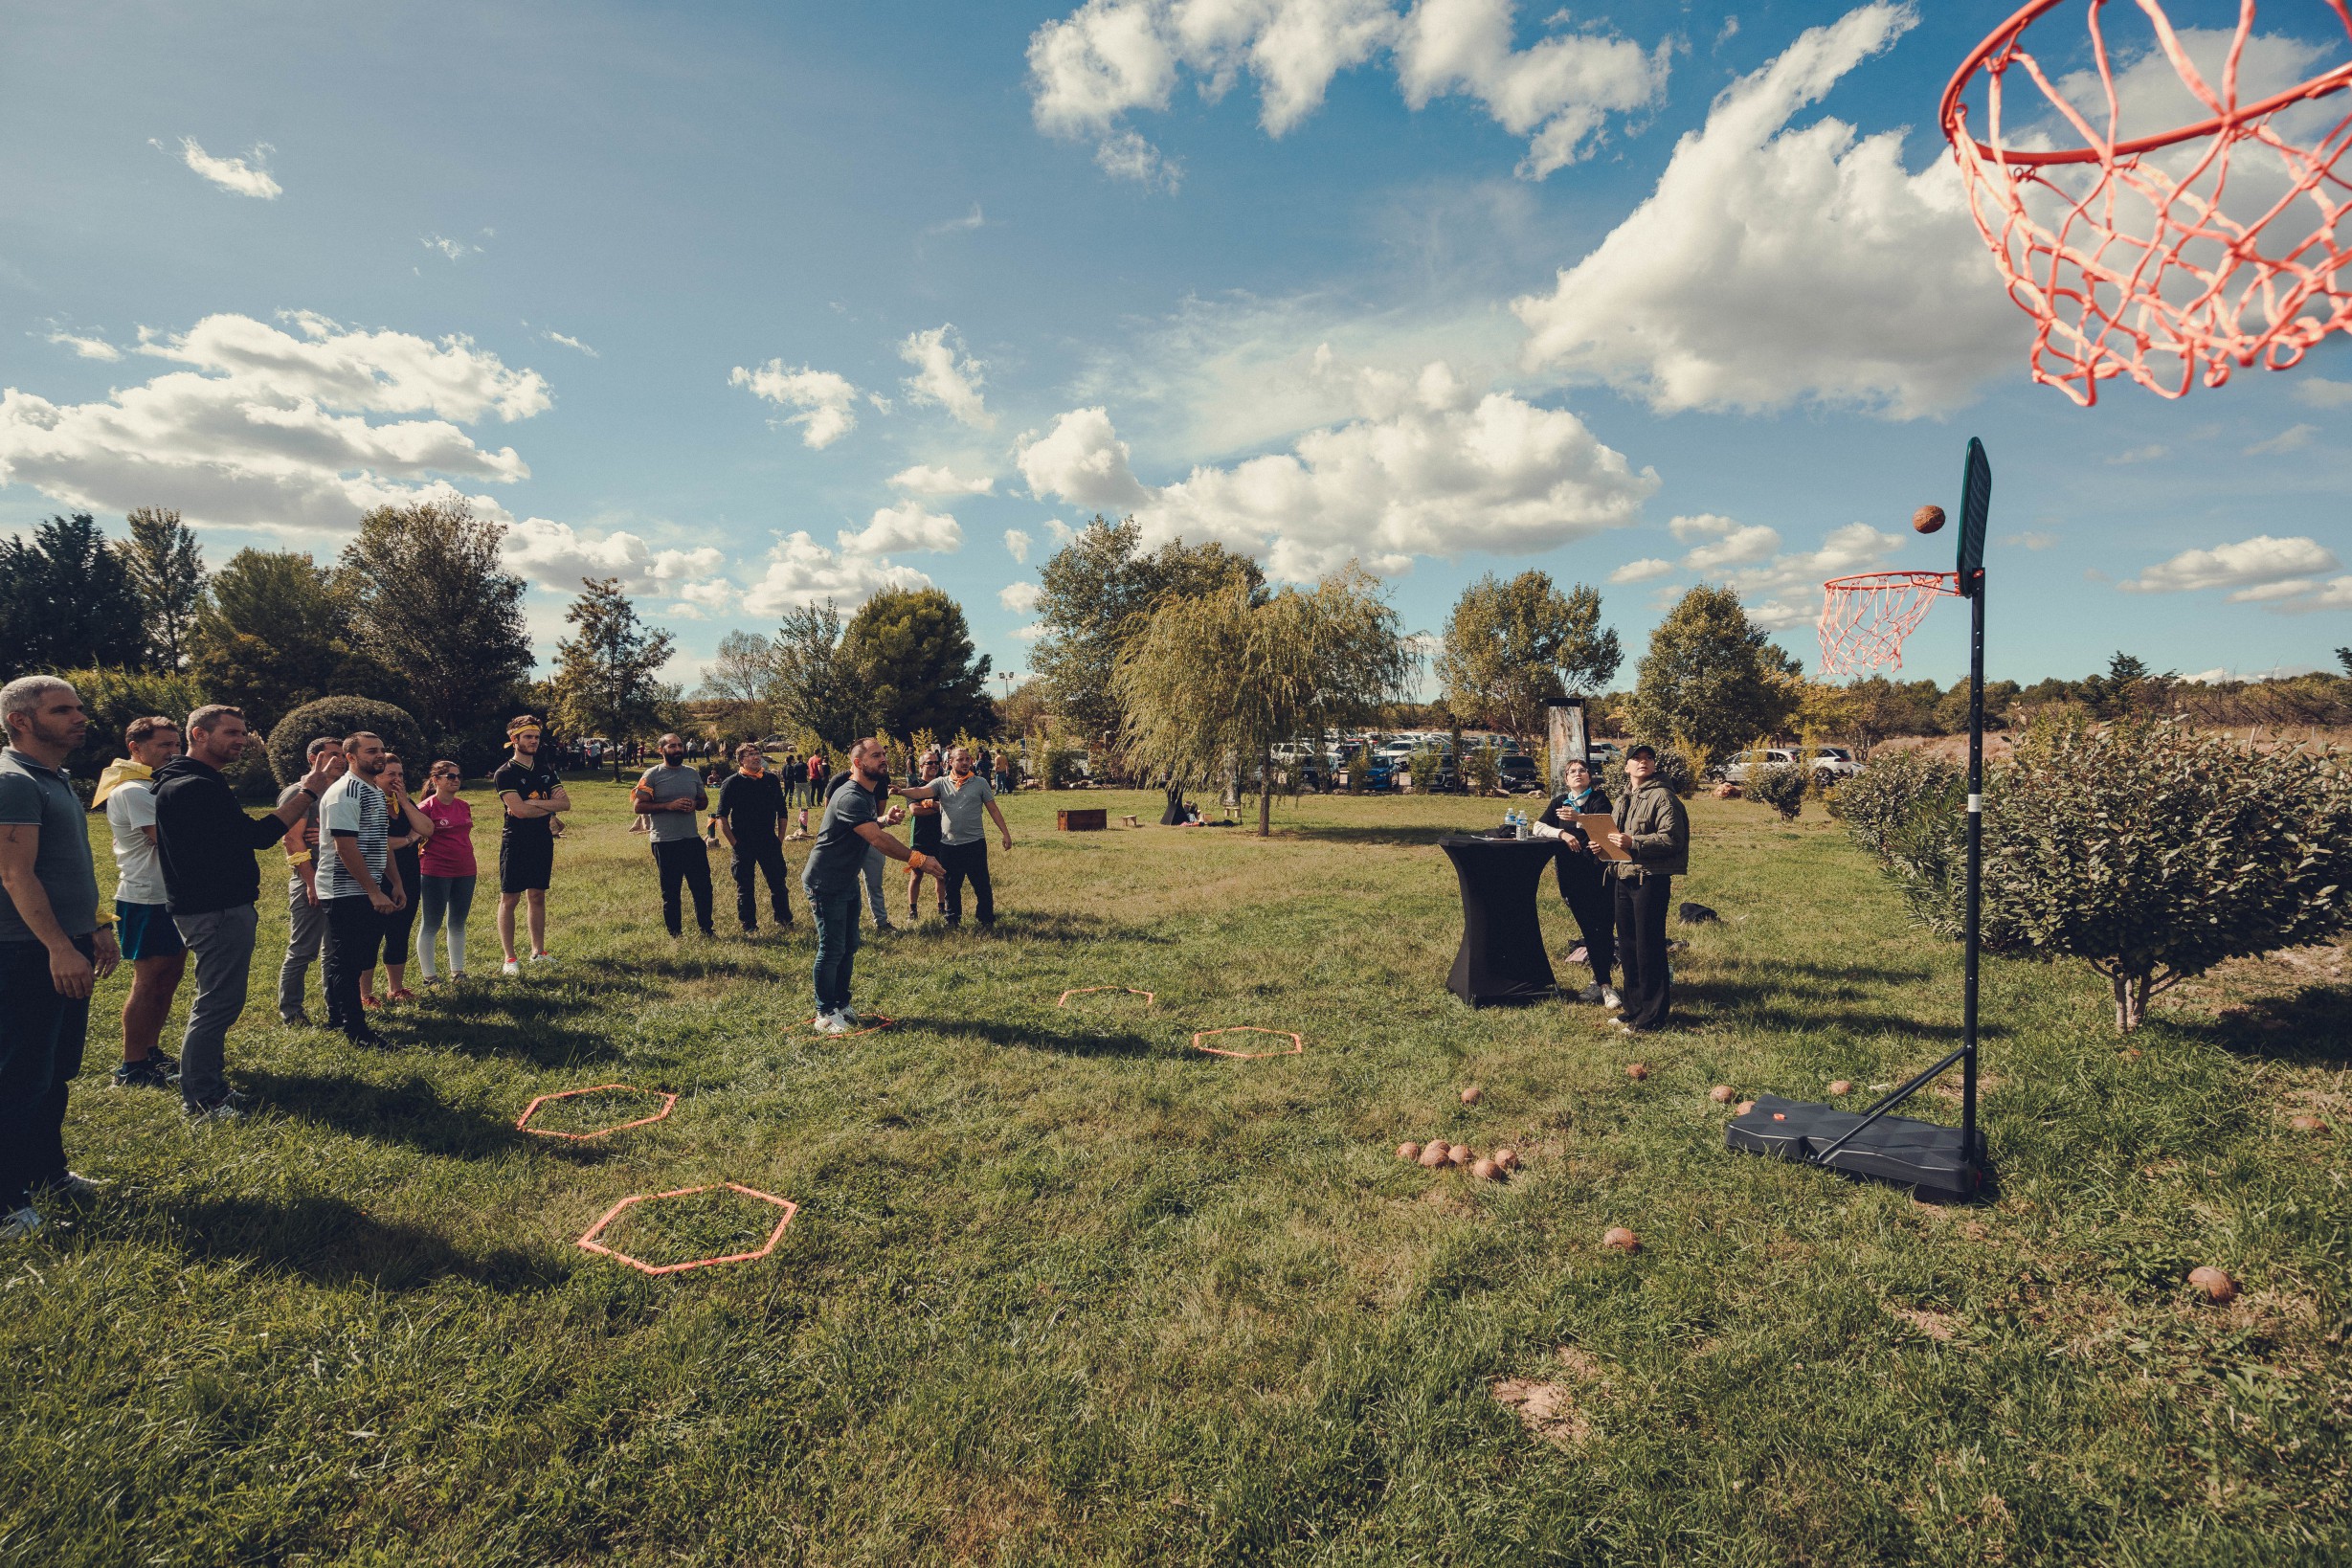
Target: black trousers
{"points": [[1586, 890], [687, 861], [1642, 904], [354, 935], [971, 860], [41, 1035], [753, 859]]}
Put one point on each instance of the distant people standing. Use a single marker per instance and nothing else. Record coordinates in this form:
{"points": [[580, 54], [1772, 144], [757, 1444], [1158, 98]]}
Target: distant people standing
{"points": [[306, 915], [411, 828], [750, 814], [852, 829], [529, 795], [814, 788], [207, 846], [923, 825], [1655, 831], [150, 943], [358, 883], [1585, 885], [55, 945], [445, 892], [962, 797], [670, 794]]}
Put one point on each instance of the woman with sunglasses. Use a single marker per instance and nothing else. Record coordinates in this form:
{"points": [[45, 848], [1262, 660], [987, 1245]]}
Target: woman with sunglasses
{"points": [[447, 866]]}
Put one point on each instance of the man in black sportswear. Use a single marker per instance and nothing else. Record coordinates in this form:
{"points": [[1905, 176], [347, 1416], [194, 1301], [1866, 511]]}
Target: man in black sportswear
{"points": [[751, 815]]}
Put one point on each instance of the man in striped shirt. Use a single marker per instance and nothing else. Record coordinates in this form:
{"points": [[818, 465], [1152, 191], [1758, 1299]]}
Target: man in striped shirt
{"points": [[358, 885]]}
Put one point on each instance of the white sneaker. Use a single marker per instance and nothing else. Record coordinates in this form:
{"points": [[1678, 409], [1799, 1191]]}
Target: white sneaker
{"points": [[510, 968], [71, 1184], [833, 1024], [543, 957], [23, 1223], [1610, 999]]}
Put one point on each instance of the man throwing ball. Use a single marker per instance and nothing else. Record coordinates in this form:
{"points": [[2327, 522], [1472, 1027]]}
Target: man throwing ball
{"points": [[852, 828], [529, 793]]}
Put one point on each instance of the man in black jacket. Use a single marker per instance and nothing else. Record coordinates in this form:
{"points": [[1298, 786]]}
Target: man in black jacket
{"points": [[207, 844], [751, 813]]}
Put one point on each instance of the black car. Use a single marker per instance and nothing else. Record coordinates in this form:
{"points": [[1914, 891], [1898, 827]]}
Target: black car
{"points": [[1518, 774]]}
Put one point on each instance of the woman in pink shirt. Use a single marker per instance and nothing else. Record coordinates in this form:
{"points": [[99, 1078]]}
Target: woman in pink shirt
{"points": [[447, 864]]}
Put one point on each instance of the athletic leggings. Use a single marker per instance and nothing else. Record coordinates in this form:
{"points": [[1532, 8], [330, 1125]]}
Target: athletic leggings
{"points": [[450, 899]]}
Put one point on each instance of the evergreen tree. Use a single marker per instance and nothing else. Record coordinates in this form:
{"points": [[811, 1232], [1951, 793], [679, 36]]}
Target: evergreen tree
{"points": [[815, 686], [66, 601], [432, 603], [168, 570], [912, 650], [607, 673], [274, 633], [1712, 680]]}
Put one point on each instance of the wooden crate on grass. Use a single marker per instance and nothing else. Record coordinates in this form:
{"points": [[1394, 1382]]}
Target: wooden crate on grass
{"points": [[1085, 819]]}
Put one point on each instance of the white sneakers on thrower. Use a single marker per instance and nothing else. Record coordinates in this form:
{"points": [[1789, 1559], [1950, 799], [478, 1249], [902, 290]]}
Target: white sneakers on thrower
{"points": [[835, 1023]]}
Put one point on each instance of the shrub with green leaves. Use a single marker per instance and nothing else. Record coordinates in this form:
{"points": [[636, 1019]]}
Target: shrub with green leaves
{"points": [[1880, 804], [341, 716], [1482, 770], [1672, 767], [1782, 786], [2148, 849]]}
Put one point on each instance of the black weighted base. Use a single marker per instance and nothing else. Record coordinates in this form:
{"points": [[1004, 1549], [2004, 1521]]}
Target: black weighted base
{"points": [[1925, 1156]]}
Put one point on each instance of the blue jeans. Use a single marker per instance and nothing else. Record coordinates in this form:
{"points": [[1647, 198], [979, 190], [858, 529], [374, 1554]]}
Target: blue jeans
{"points": [[837, 944]]}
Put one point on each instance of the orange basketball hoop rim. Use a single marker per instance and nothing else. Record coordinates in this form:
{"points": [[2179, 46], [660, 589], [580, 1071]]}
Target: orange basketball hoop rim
{"points": [[1865, 618]]}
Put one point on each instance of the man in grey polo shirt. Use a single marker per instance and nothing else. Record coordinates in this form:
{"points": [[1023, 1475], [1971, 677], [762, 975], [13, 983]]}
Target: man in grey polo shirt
{"points": [[670, 795], [53, 948], [962, 795]]}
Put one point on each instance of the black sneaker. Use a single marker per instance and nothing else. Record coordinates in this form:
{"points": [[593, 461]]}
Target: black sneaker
{"points": [[368, 1038], [295, 1020], [1590, 993], [150, 1072], [228, 1107]]}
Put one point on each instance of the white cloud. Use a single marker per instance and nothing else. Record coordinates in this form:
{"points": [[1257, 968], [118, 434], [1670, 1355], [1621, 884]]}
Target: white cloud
{"points": [[1718, 542], [269, 429], [1022, 598], [802, 572], [238, 176], [974, 219], [907, 527], [944, 375], [1773, 267], [557, 557], [927, 479], [1029, 633], [1112, 58], [2257, 567], [826, 401], [1127, 156], [454, 250], [2323, 393], [1780, 588], [2292, 438], [1647, 569], [1017, 543], [2150, 453], [2035, 539], [570, 342], [1429, 468], [1061, 531], [86, 348]]}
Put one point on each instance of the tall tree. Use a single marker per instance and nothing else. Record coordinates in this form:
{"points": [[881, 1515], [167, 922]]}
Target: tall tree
{"points": [[815, 687], [167, 569], [912, 649], [66, 601], [1712, 679], [1101, 589], [1214, 683], [431, 601], [608, 674], [1509, 646], [274, 633], [742, 677], [2343, 657]]}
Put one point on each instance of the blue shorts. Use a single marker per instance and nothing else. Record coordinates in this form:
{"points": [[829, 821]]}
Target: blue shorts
{"points": [[145, 931]]}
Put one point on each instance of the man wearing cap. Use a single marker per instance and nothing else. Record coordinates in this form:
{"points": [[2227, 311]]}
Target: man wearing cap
{"points": [[530, 793], [1655, 831]]}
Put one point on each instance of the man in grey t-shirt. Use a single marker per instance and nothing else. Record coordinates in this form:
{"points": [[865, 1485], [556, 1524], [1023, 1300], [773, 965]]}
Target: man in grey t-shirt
{"points": [[962, 795], [670, 795], [306, 915], [852, 828]]}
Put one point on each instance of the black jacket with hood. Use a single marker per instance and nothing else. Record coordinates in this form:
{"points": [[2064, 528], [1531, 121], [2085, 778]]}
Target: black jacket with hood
{"points": [[205, 840]]}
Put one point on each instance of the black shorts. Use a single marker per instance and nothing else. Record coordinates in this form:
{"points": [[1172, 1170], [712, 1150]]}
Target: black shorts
{"points": [[525, 865]]}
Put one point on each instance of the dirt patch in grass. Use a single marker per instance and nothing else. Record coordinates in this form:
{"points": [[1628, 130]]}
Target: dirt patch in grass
{"points": [[1547, 1410], [1938, 1326]]}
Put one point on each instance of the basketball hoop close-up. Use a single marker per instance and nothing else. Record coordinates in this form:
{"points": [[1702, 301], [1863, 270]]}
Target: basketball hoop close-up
{"points": [[2137, 256]]}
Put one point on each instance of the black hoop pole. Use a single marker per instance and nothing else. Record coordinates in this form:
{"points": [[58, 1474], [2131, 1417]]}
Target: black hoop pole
{"points": [[1975, 866]]}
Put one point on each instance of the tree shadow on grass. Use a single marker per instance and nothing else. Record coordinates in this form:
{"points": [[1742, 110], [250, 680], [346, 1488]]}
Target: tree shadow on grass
{"points": [[2310, 1027], [1036, 1037], [1807, 970], [1743, 1006], [1402, 837], [410, 1112], [330, 1242]]}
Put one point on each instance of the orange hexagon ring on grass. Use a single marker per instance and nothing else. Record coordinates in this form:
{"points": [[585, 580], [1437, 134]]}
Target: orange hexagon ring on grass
{"points": [[1148, 997], [521, 1123], [588, 1240], [1297, 1044]]}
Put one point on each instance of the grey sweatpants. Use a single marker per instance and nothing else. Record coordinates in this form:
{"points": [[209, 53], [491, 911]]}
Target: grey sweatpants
{"points": [[880, 902], [221, 943], [305, 942]]}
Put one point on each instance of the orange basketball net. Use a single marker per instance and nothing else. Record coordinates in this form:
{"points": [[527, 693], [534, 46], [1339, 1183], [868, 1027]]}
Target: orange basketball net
{"points": [[1865, 618], [2135, 253]]}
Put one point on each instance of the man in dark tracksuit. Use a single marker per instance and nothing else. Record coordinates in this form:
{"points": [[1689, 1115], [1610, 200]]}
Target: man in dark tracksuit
{"points": [[1655, 831], [750, 814]]}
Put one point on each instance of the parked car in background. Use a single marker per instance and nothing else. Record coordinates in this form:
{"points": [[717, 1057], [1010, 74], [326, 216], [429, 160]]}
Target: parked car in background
{"points": [[1834, 762], [1601, 754], [1736, 768], [1519, 772]]}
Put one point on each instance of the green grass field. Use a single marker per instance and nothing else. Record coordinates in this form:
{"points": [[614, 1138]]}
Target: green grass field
{"points": [[1063, 1290]]}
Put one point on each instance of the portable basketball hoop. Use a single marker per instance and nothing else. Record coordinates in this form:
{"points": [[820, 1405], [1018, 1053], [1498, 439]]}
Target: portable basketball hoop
{"points": [[2127, 250], [1864, 621]]}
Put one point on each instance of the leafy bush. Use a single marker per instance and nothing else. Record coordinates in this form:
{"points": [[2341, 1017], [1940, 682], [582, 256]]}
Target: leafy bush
{"points": [[1061, 767], [2147, 849], [341, 716], [113, 699], [1880, 804], [1782, 786], [1482, 770]]}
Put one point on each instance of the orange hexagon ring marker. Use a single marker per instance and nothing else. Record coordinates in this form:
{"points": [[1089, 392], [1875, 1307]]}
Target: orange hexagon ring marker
{"points": [[588, 1240], [1148, 997], [1297, 1044], [521, 1123]]}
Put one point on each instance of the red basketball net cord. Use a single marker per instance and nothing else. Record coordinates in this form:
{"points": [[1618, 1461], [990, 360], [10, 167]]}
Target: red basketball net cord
{"points": [[2122, 250], [1865, 618]]}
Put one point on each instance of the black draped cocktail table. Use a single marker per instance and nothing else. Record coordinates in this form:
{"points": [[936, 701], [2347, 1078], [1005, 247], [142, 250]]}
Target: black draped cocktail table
{"points": [[1502, 957]]}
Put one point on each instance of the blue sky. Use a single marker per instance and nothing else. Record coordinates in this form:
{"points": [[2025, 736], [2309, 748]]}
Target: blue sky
{"points": [[749, 305]]}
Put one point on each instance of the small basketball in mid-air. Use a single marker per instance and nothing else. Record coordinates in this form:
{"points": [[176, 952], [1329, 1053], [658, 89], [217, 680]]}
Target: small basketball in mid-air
{"points": [[1927, 519]]}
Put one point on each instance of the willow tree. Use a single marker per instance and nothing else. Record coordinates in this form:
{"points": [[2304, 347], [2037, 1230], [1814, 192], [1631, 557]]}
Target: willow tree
{"points": [[1216, 682]]}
